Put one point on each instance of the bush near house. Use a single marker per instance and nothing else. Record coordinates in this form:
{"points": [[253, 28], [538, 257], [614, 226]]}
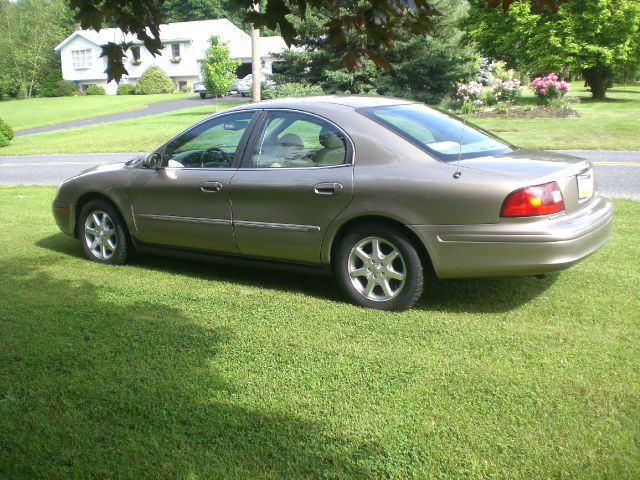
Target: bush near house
{"points": [[186, 89], [95, 90], [65, 88], [46, 87], [126, 89], [6, 133], [154, 80]]}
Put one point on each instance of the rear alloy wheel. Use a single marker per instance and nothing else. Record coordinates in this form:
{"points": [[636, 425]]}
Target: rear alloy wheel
{"points": [[102, 233], [378, 267]]}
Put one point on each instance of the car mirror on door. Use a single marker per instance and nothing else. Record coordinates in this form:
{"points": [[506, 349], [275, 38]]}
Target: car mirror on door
{"points": [[153, 161]]}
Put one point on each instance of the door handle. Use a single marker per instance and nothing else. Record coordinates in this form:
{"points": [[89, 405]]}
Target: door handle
{"points": [[211, 187], [327, 189]]}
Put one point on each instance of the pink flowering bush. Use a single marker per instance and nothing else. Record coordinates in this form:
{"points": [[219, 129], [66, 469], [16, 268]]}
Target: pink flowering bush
{"points": [[506, 90], [549, 87], [468, 96]]}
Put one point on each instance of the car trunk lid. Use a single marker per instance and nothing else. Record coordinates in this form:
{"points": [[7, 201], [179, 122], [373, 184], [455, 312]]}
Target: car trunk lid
{"points": [[531, 167]]}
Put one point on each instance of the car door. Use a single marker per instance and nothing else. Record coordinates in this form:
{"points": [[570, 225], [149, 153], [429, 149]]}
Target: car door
{"points": [[186, 202], [293, 182]]}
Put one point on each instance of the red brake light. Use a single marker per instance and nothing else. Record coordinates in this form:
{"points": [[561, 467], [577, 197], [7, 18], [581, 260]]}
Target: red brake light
{"points": [[537, 200]]}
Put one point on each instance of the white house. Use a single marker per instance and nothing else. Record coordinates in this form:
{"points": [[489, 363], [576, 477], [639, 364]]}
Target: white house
{"points": [[183, 47]]}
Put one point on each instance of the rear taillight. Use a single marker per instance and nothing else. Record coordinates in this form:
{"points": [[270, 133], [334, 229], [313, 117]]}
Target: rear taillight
{"points": [[537, 200]]}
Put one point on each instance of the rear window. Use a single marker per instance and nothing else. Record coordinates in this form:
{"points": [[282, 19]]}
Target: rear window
{"points": [[438, 134]]}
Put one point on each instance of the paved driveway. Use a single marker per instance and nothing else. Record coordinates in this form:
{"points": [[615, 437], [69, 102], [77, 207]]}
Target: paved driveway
{"points": [[152, 109], [617, 173]]}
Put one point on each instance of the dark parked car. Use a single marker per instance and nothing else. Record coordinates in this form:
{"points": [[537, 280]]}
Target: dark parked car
{"points": [[376, 189]]}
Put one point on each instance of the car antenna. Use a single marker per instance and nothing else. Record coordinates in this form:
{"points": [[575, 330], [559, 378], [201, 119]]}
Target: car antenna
{"points": [[457, 174]]}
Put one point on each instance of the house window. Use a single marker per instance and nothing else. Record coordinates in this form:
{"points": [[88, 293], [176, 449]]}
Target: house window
{"points": [[82, 58], [175, 50], [135, 51]]}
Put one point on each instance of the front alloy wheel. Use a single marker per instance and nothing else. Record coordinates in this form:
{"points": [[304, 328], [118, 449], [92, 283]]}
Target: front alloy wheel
{"points": [[378, 266], [102, 233]]}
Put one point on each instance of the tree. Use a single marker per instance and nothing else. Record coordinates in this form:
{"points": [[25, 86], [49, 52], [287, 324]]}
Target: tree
{"points": [[30, 31], [189, 10], [218, 70], [378, 20], [423, 66], [595, 38]]}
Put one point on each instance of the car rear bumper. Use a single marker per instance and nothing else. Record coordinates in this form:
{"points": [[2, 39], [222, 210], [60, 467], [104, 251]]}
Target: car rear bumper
{"points": [[517, 246], [63, 215]]}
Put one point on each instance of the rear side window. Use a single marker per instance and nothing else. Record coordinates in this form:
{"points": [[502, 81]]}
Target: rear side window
{"points": [[438, 134], [296, 140]]}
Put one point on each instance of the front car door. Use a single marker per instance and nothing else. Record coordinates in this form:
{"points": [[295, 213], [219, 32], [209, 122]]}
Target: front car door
{"points": [[291, 185], [186, 203]]}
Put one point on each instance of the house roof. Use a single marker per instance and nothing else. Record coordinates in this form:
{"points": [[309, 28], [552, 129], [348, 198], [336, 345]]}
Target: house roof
{"points": [[197, 32]]}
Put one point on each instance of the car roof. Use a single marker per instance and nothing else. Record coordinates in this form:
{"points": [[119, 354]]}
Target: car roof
{"points": [[353, 101]]}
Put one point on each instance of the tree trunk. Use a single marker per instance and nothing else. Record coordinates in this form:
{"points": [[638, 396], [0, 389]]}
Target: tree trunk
{"points": [[596, 79]]}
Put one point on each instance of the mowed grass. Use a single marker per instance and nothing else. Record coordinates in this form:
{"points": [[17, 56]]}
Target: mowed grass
{"points": [[610, 125], [178, 369], [136, 135], [35, 112]]}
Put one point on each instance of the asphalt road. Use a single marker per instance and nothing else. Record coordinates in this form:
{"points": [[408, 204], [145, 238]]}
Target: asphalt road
{"points": [[617, 173]]}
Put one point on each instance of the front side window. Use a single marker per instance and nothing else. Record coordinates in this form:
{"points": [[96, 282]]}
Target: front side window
{"points": [[82, 58], [438, 134], [135, 52], [175, 50], [212, 144], [295, 140]]}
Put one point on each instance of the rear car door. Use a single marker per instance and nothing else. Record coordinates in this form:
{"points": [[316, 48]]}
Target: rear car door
{"points": [[293, 182]]}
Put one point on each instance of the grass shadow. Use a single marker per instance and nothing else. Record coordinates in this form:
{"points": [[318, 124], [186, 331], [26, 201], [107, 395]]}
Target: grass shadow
{"points": [[97, 386], [483, 295], [476, 295]]}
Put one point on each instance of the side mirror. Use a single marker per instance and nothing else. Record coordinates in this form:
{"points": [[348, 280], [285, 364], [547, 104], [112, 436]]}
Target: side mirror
{"points": [[153, 161]]}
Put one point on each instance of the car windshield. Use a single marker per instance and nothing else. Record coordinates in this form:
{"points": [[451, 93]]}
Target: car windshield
{"points": [[437, 133]]}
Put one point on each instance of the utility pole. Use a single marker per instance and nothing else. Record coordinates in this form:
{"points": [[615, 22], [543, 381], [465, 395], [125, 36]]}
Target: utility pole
{"points": [[256, 64]]}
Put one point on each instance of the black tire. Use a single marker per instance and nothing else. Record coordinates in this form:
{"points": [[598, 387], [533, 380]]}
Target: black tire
{"points": [[203, 95], [404, 293], [113, 243]]}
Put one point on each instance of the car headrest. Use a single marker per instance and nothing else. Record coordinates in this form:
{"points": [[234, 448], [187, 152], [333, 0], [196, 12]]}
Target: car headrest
{"points": [[290, 140], [330, 138]]}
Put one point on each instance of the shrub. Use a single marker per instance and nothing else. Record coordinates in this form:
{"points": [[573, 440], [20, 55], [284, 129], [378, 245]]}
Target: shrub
{"points": [[506, 91], [154, 80], [549, 87], [185, 89], [290, 90], [468, 96], [65, 88], [484, 74], [126, 89], [95, 90], [46, 87], [6, 133]]}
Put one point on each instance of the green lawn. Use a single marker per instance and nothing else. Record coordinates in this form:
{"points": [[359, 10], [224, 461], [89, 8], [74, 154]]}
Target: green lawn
{"points": [[136, 135], [35, 112], [175, 369], [610, 125]]}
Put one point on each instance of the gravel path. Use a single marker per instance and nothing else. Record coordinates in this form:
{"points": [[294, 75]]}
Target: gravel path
{"points": [[151, 109]]}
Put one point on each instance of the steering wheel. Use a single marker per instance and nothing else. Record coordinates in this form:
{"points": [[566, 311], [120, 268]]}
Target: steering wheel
{"points": [[216, 155]]}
